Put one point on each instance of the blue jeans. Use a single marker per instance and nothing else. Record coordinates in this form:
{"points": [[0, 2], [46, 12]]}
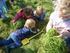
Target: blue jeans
{"points": [[16, 40], [4, 42], [12, 41], [67, 40]]}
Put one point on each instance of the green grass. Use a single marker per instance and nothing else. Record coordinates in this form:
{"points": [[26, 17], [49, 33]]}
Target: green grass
{"points": [[6, 27]]}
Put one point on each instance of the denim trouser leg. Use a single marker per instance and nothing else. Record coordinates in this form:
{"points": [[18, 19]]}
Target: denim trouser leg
{"points": [[16, 40], [13, 45], [67, 42], [5, 42]]}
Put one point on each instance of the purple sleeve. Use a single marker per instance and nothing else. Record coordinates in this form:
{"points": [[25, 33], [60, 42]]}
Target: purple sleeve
{"points": [[18, 16]]}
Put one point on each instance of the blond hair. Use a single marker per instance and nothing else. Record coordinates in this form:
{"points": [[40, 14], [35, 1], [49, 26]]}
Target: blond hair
{"points": [[64, 6], [30, 23], [39, 8]]}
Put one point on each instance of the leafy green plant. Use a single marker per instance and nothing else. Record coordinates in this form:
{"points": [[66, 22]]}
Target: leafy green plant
{"points": [[45, 42], [53, 44]]}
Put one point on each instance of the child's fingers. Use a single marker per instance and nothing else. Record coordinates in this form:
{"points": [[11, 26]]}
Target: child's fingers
{"points": [[66, 33], [12, 21], [60, 36]]}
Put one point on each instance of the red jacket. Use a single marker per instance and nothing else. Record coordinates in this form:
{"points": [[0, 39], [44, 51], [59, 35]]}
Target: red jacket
{"points": [[21, 15]]}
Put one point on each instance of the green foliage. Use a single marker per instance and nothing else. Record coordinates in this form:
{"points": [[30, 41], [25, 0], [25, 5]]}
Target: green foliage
{"points": [[52, 32], [19, 24], [45, 42], [52, 44]]}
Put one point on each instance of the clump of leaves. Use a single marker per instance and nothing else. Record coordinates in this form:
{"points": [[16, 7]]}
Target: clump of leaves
{"points": [[35, 45], [52, 44], [19, 24]]}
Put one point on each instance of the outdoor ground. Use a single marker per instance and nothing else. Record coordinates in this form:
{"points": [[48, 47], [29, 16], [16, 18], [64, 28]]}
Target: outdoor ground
{"points": [[6, 27]]}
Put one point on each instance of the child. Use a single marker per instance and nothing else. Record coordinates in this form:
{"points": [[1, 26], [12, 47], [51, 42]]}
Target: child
{"points": [[39, 13], [14, 40], [60, 20], [24, 13], [59, 16], [27, 13], [3, 9]]}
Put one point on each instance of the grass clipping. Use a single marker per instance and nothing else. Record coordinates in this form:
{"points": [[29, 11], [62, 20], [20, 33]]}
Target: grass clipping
{"points": [[51, 43]]}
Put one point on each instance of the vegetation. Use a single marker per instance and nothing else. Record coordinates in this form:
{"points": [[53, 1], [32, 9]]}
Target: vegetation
{"points": [[52, 44], [43, 43]]}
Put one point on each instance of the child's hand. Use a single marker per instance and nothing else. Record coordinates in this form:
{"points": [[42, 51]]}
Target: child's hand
{"points": [[12, 21], [60, 36], [65, 32]]}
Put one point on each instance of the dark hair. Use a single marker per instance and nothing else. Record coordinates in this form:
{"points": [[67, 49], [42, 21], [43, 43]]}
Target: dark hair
{"points": [[28, 11]]}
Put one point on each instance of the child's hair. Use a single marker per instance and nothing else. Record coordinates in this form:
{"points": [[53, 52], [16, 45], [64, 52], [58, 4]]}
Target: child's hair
{"points": [[39, 9], [30, 23], [56, 2], [28, 11], [65, 5]]}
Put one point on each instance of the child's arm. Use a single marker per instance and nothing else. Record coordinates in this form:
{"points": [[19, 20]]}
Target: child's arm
{"points": [[50, 23], [19, 10], [64, 33], [18, 16]]}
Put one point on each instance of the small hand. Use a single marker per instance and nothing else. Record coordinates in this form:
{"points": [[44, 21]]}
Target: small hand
{"points": [[59, 36], [12, 21], [65, 32]]}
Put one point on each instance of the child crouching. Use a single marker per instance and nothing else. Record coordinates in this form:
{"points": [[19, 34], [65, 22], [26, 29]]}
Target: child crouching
{"points": [[60, 20]]}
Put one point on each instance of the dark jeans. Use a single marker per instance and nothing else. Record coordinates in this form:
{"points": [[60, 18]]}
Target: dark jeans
{"points": [[12, 41], [68, 42]]}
